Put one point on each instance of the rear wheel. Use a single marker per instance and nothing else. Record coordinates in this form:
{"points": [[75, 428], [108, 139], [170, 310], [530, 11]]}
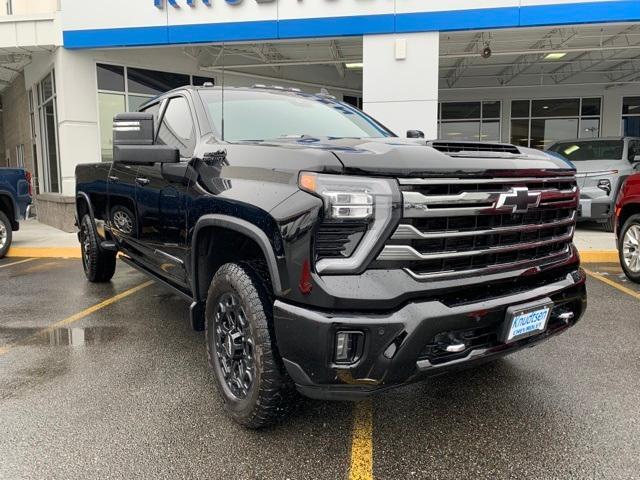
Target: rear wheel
{"points": [[6, 233], [241, 347], [99, 264], [629, 248]]}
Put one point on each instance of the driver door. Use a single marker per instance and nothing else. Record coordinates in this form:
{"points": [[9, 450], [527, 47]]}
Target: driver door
{"points": [[161, 194]]}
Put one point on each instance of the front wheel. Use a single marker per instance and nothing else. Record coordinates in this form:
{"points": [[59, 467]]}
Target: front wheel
{"points": [[6, 233], [99, 264], [629, 248], [247, 369]]}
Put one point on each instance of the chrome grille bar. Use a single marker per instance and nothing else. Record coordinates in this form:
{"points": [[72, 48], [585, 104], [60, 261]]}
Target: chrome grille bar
{"points": [[483, 181], [417, 204], [409, 232], [554, 258], [408, 253]]}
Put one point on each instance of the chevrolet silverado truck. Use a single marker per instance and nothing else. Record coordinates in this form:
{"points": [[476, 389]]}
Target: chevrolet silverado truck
{"points": [[15, 203], [628, 227], [322, 254]]}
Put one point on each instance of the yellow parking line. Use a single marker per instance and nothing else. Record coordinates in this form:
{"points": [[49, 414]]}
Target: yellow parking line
{"points": [[83, 314], [45, 252], [599, 256], [361, 467], [17, 263], [610, 282]]}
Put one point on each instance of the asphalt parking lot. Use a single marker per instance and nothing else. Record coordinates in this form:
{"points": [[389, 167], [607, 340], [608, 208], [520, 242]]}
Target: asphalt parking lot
{"points": [[109, 381]]}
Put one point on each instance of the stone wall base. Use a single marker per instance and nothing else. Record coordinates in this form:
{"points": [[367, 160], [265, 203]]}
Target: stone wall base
{"points": [[57, 211]]}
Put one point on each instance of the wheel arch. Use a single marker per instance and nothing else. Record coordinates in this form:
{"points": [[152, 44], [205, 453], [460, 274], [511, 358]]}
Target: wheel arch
{"points": [[238, 229], [627, 211], [8, 206]]}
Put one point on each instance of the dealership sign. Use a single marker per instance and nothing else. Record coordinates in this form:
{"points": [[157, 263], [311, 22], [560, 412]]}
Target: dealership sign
{"points": [[192, 3]]}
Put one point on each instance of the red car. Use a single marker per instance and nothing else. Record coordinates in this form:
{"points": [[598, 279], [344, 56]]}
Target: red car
{"points": [[628, 227]]}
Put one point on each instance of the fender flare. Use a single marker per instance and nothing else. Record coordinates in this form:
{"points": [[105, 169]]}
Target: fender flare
{"points": [[241, 226], [85, 197]]}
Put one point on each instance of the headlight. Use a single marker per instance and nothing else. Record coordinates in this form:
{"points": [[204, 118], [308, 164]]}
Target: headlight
{"points": [[358, 214]]}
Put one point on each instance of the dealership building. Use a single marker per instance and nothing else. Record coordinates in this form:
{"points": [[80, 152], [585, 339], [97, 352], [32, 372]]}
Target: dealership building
{"points": [[528, 72]]}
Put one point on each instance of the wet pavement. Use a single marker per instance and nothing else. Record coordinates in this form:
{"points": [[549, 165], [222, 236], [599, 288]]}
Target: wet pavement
{"points": [[125, 392]]}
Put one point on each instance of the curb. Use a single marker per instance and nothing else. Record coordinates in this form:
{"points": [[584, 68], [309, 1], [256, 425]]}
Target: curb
{"points": [[599, 256], [44, 252]]}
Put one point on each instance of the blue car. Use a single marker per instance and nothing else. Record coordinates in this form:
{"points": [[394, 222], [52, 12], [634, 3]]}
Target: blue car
{"points": [[15, 203]]}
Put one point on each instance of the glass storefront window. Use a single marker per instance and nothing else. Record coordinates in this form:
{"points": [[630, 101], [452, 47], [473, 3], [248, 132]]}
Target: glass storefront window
{"points": [[539, 123], [110, 104], [47, 127], [136, 101], [151, 82], [470, 121], [631, 116], [546, 131], [110, 77]]}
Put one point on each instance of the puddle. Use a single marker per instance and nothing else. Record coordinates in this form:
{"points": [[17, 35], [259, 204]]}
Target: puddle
{"points": [[60, 337]]}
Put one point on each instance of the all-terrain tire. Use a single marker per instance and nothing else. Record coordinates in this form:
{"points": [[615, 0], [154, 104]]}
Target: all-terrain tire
{"points": [[633, 222], [271, 394], [6, 234], [99, 264]]}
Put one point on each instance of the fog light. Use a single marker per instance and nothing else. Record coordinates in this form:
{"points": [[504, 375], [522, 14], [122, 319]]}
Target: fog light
{"points": [[348, 347]]}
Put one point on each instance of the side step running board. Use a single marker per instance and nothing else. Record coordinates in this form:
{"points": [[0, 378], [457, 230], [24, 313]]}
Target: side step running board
{"points": [[157, 278]]}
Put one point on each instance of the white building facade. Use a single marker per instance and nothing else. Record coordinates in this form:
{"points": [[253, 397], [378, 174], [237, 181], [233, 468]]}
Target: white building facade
{"points": [[521, 71]]}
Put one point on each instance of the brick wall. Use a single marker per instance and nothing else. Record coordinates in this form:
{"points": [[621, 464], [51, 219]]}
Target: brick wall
{"points": [[15, 125]]}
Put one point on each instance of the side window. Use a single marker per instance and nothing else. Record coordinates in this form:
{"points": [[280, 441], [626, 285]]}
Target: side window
{"points": [[177, 127]]}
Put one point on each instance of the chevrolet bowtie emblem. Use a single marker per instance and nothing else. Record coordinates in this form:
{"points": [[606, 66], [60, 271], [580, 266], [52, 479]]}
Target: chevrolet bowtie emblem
{"points": [[519, 198]]}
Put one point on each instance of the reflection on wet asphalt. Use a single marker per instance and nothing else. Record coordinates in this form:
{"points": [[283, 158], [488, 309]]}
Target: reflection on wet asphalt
{"points": [[60, 337], [126, 393]]}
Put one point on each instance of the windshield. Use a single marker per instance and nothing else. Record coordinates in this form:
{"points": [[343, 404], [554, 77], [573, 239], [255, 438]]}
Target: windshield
{"points": [[260, 115], [592, 150]]}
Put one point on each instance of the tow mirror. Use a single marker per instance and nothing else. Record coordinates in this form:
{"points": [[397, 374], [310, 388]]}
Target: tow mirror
{"points": [[133, 129], [133, 137], [415, 134]]}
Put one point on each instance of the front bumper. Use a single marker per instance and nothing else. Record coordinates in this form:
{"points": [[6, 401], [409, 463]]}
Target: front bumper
{"points": [[402, 346]]}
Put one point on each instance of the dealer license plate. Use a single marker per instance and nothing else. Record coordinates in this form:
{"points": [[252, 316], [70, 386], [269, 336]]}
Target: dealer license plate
{"points": [[527, 322]]}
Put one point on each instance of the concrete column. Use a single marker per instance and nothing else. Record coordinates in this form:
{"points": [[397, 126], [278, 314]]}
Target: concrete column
{"points": [[400, 81], [78, 134]]}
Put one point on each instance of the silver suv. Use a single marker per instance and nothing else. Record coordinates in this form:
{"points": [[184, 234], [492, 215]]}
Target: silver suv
{"points": [[603, 164]]}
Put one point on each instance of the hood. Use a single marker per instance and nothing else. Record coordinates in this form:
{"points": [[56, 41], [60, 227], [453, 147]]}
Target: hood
{"points": [[413, 158]]}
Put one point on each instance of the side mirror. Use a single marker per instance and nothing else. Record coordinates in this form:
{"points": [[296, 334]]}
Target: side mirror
{"points": [[415, 134], [133, 129], [133, 136], [636, 158]]}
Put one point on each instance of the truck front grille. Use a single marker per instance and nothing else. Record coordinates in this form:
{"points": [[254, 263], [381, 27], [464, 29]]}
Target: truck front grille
{"points": [[454, 227]]}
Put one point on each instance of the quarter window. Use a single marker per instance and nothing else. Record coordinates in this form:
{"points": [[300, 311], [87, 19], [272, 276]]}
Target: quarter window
{"points": [[177, 127]]}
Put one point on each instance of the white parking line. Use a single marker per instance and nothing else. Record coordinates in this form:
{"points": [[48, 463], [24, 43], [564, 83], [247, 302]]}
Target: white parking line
{"points": [[17, 263]]}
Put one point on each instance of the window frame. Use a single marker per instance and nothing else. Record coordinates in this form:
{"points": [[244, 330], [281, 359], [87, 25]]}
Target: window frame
{"points": [[623, 115], [481, 118], [580, 117], [165, 101]]}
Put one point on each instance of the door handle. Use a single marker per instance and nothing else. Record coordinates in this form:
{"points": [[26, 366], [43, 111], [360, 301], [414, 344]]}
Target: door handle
{"points": [[113, 178], [142, 181]]}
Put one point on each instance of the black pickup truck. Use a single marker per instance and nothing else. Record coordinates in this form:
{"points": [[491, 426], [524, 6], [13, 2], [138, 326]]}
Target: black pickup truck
{"points": [[324, 255]]}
